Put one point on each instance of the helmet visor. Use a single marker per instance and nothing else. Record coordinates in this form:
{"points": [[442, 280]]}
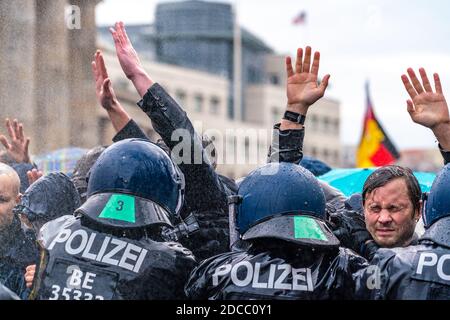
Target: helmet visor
{"points": [[300, 229], [123, 211]]}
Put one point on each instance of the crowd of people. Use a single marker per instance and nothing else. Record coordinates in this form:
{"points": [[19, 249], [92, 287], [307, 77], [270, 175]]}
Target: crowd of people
{"points": [[135, 222]]}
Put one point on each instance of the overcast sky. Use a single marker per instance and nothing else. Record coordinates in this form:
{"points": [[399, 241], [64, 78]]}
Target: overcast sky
{"points": [[358, 40]]}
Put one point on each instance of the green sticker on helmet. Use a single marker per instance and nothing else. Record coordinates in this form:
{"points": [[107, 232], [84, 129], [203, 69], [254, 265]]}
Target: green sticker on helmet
{"points": [[308, 228], [119, 207]]}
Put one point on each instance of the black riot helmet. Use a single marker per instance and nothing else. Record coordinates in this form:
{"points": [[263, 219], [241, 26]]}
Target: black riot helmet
{"points": [[133, 184]]}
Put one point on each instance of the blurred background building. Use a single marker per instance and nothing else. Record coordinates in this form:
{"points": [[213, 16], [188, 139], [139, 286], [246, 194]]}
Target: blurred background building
{"points": [[190, 49]]}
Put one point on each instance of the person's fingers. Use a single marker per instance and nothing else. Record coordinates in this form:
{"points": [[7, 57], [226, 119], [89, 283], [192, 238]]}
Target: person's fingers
{"points": [[20, 135], [408, 86], [307, 61], [437, 83], [289, 70], [31, 267], [16, 127], [94, 70], [120, 33], [30, 181], [410, 106], [29, 280], [124, 33], [324, 84], [107, 86], [299, 62], [102, 66], [415, 81], [10, 129], [425, 81], [27, 144], [315, 64], [115, 38], [5, 142], [39, 174]]}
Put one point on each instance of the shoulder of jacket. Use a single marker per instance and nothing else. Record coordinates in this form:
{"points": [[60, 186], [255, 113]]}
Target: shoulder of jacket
{"points": [[52, 228]]}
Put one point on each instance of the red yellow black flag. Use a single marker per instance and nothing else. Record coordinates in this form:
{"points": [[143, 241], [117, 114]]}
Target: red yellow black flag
{"points": [[375, 148]]}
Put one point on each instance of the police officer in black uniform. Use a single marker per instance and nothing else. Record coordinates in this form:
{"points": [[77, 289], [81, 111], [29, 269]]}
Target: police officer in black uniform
{"points": [[420, 272], [285, 248], [114, 247]]}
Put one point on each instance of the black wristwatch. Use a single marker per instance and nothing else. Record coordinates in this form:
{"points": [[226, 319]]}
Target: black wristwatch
{"points": [[294, 117]]}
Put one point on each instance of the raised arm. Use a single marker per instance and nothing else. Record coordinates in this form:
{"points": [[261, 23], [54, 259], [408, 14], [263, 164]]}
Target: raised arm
{"points": [[129, 60], [427, 107], [17, 146], [302, 90], [105, 93], [302, 86]]}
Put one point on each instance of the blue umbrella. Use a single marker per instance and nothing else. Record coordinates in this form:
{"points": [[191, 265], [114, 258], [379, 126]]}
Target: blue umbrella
{"points": [[351, 181]]}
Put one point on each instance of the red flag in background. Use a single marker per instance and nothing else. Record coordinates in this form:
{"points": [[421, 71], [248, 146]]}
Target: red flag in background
{"points": [[375, 148], [300, 18]]}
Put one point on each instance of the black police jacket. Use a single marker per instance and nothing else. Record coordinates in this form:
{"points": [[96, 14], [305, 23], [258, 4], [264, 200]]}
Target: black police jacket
{"points": [[81, 263], [419, 272], [206, 190], [276, 270]]}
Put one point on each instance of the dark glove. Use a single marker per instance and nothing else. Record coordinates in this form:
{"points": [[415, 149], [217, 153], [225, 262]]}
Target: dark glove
{"points": [[350, 228]]}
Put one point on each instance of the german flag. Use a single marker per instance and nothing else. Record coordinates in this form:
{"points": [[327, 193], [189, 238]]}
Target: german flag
{"points": [[375, 148]]}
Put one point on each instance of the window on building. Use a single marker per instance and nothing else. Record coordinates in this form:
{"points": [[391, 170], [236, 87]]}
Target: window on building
{"points": [[336, 126], [198, 103], [326, 154], [314, 121], [326, 124], [274, 79], [214, 107]]}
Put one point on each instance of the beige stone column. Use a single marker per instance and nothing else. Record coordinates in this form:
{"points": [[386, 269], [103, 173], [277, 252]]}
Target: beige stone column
{"points": [[51, 123], [82, 105], [17, 23]]}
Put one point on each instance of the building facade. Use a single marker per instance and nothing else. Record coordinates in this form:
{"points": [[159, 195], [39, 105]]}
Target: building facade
{"points": [[46, 80]]}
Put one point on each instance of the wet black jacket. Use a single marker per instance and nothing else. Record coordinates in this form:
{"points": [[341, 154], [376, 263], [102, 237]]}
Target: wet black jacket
{"points": [[83, 263], [276, 270], [206, 191], [48, 198], [419, 272], [204, 188], [18, 250]]}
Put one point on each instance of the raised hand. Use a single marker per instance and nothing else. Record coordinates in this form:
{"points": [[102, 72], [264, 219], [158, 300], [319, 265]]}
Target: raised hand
{"points": [[103, 87], [29, 275], [34, 175], [302, 87], [17, 147], [129, 60], [105, 94], [426, 107]]}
